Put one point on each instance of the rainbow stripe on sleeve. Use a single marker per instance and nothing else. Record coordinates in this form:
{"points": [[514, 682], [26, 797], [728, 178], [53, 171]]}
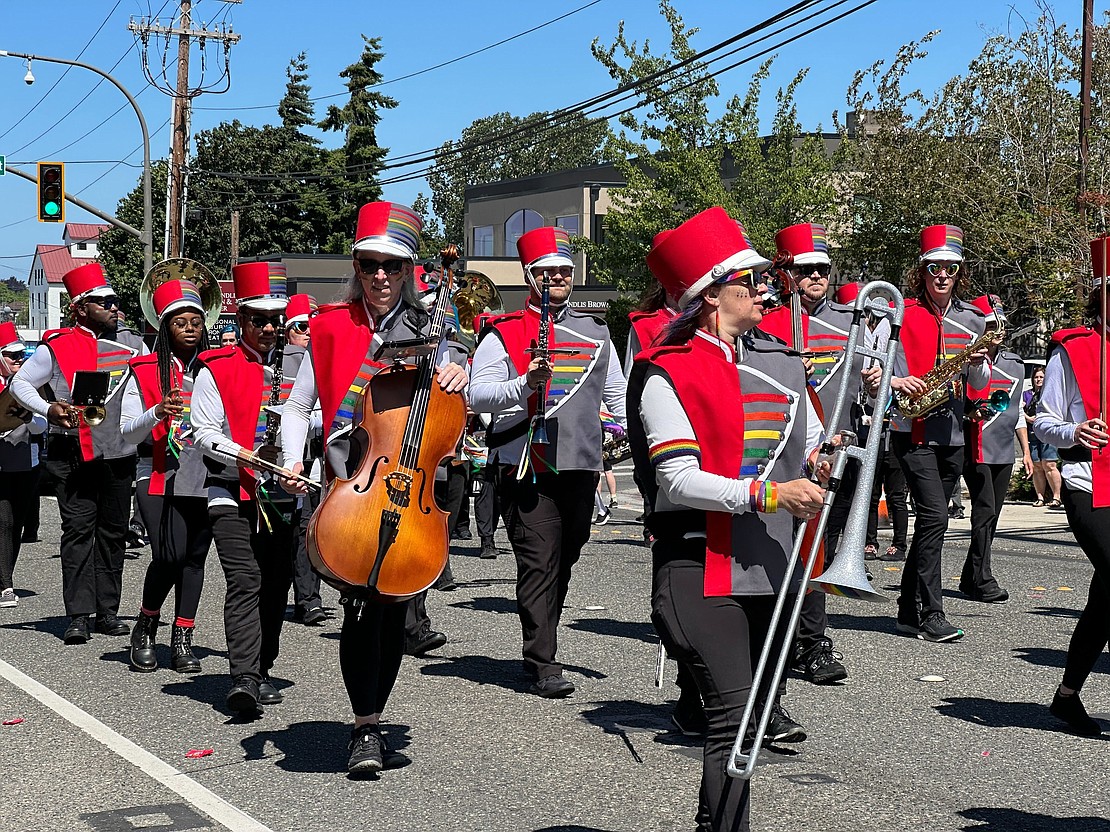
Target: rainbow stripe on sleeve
{"points": [[673, 449]]}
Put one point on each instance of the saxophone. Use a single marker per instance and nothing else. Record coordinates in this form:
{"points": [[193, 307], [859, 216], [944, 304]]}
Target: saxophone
{"points": [[941, 381]]}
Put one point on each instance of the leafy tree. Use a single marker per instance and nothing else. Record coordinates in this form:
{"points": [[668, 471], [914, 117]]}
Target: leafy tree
{"points": [[121, 254], [504, 146], [678, 161]]}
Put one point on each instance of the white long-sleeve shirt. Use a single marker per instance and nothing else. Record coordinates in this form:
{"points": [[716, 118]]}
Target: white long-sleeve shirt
{"points": [[1059, 413]]}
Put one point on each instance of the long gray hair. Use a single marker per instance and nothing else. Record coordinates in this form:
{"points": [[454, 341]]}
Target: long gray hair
{"points": [[354, 291]]}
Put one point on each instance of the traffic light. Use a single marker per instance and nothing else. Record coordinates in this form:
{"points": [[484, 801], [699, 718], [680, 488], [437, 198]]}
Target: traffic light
{"points": [[52, 203]]}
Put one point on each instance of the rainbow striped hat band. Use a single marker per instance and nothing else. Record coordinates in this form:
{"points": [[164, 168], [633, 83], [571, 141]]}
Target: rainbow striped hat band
{"points": [[175, 295], [942, 242], [388, 227], [261, 285], [806, 243]]}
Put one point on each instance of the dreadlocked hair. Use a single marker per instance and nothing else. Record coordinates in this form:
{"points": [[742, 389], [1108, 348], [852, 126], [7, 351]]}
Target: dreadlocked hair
{"points": [[163, 348]]}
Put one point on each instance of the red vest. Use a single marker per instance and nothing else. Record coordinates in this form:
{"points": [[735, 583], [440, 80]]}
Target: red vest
{"points": [[649, 326], [341, 339], [145, 368], [240, 381], [74, 349], [704, 380], [1081, 345]]}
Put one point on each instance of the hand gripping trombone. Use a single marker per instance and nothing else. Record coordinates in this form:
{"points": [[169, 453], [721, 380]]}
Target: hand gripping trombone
{"points": [[848, 575]]}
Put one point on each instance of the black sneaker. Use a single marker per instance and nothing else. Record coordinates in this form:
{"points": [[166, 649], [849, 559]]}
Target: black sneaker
{"points": [[689, 717], [909, 623], [821, 665], [1071, 710], [425, 642], [391, 758], [935, 627], [110, 625], [314, 617], [552, 687], [365, 751], [489, 550], [782, 727]]}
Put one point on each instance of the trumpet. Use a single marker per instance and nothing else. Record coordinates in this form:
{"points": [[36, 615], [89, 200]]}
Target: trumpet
{"points": [[91, 414], [847, 576]]}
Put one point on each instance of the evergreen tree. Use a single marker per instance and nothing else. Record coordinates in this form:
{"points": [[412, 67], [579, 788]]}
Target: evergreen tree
{"points": [[295, 109]]}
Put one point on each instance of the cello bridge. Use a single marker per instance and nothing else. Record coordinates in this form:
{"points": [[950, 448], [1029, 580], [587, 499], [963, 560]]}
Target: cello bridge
{"points": [[398, 485]]}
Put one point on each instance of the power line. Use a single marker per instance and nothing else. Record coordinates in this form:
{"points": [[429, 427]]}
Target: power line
{"points": [[420, 71]]}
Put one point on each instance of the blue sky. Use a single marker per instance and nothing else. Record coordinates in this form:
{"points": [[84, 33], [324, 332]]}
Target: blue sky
{"points": [[544, 70]]}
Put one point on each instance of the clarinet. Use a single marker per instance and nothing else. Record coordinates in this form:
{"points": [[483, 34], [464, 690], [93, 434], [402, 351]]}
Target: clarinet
{"points": [[542, 350], [273, 420]]}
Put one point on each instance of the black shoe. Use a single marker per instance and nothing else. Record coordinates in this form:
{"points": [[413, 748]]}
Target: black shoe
{"points": [[78, 630], [489, 551], [135, 540], [956, 514], [461, 534], [446, 581], [553, 687], [314, 617], [143, 658], [31, 537], [183, 659], [1071, 710], [820, 664], [998, 596], [390, 758], [893, 554], [689, 717], [365, 751], [782, 727], [909, 623], [935, 627], [108, 624], [243, 696], [427, 641], [267, 693]]}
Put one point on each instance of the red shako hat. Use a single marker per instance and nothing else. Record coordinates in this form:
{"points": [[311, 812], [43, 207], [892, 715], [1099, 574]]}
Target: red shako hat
{"points": [[86, 282], [1100, 259], [9, 337], [848, 293], [706, 248], [300, 308], [806, 243], [175, 295], [388, 227], [991, 307], [546, 246], [942, 242], [260, 285]]}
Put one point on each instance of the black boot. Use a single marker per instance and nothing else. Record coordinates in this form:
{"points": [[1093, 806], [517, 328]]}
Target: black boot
{"points": [[183, 661], [488, 549], [142, 643]]}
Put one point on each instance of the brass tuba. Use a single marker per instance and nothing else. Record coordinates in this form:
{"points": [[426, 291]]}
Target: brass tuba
{"points": [[477, 294], [182, 268]]}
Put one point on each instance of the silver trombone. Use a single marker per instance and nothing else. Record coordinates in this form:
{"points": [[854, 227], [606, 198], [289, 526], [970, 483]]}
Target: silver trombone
{"points": [[848, 574]]}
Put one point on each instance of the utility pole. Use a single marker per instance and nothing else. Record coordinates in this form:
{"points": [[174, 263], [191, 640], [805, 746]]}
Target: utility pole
{"points": [[1082, 196], [234, 239], [183, 95]]}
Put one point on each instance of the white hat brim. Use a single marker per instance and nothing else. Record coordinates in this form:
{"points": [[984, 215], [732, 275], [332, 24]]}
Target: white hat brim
{"points": [[811, 258], [178, 305], [264, 304], [942, 254], [385, 246]]}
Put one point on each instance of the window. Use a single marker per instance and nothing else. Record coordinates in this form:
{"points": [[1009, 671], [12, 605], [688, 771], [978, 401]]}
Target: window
{"points": [[82, 246], [483, 241], [517, 226], [568, 224]]}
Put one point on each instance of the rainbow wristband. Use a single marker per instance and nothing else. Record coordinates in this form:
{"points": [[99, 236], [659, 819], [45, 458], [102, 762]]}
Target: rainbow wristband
{"points": [[753, 495], [771, 501]]}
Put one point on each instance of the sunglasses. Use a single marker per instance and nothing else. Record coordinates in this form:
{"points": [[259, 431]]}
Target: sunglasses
{"points": [[13, 356], [106, 302], [562, 271], [187, 323], [262, 321], [299, 326], [390, 267], [949, 269], [805, 271]]}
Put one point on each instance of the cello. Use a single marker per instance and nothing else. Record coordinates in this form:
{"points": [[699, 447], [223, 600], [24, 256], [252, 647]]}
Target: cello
{"points": [[379, 533]]}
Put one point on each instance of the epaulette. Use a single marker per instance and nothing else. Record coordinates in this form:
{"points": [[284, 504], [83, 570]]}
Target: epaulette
{"points": [[216, 354], [652, 353], [505, 317], [149, 358], [1062, 335], [964, 306], [640, 314], [767, 345]]}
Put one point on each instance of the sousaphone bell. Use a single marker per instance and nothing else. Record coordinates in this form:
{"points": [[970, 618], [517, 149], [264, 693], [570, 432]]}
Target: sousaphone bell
{"points": [[182, 268]]}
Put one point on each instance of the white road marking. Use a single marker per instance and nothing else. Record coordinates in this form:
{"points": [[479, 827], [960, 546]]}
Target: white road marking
{"points": [[208, 802]]}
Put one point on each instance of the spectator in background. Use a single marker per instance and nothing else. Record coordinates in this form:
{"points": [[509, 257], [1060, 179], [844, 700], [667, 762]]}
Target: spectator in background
{"points": [[1045, 472], [229, 337]]}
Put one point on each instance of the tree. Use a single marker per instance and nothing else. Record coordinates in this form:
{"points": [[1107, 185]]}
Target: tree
{"points": [[121, 254], [504, 146], [678, 161], [295, 109]]}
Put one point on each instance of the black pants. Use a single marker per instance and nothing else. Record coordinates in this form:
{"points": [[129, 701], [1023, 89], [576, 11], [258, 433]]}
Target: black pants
{"points": [[719, 639], [487, 506], [987, 486], [31, 522], [94, 500], [180, 534], [890, 477], [463, 521], [16, 495], [449, 494], [258, 566], [548, 521], [931, 474], [1091, 527], [370, 650], [306, 583]]}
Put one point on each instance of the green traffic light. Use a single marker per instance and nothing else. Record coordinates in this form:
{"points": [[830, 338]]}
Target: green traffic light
{"points": [[51, 208]]}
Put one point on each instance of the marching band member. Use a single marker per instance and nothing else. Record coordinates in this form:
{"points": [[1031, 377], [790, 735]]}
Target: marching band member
{"points": [[723, 500], [937, 325], [825, 325], [19, 457], [381, 306], [254, 522], [990, 457], [93, 466], [547, 491], [171, 492], [308, 606], [1068, 418]]}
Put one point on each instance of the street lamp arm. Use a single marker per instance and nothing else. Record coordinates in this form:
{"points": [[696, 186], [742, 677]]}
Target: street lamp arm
{"points": [[80, 203], [145, 236]]}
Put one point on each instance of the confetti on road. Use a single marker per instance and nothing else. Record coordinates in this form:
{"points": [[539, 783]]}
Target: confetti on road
{"points": [[1064, 589], [195, 753], [593, 608], [1038, 589], [892, 568], [15, 721], [931, 677], [986, 753]]}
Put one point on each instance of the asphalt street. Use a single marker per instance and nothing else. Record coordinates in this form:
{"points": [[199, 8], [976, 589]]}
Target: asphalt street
{"points": [[103, 748]]}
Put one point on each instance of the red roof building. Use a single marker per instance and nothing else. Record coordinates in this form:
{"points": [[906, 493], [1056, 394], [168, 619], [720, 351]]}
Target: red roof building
{"points": [[78, 247]]}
